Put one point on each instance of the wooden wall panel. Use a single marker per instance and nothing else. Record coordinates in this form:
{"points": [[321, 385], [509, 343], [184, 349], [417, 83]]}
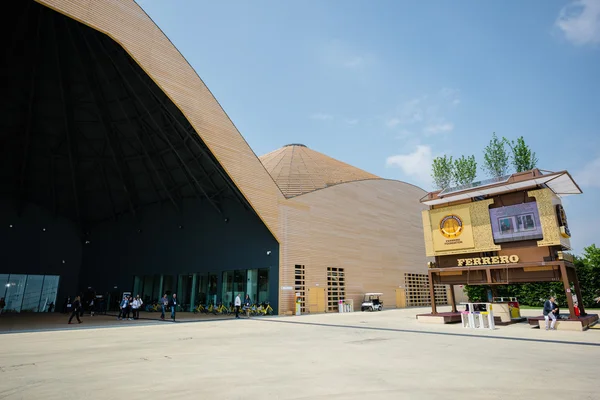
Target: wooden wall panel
{"points": [[373, 229], [126, 23]]}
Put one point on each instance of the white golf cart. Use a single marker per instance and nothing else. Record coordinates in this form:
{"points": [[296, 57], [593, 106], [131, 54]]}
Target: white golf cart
{"points": [[372, 302]]}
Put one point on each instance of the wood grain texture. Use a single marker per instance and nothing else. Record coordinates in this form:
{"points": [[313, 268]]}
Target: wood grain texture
{"points": [[372, 228], [126, 23], [341, 216], [298, 170]]}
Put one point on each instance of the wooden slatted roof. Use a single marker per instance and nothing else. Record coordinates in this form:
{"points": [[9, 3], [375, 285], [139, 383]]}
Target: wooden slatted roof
{"points": [[298, 170]]}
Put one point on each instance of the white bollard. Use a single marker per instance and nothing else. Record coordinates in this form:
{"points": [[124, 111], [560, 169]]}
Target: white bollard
{"points": [[464, 318]]}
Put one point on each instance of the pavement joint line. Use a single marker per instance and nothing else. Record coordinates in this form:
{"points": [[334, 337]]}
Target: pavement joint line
{"points": [[372, 328], [119, 324]]}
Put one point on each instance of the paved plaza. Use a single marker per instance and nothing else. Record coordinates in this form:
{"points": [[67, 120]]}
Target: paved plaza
{"points": [[386, 355]]}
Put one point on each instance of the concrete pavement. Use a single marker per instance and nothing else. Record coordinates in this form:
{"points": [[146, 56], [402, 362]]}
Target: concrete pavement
{"points": [[387, 355]]}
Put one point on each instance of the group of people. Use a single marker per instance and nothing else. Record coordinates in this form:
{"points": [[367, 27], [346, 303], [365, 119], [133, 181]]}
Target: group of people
{"points": [[238, 304], [551, 312], [130, 306], [167, 302]]}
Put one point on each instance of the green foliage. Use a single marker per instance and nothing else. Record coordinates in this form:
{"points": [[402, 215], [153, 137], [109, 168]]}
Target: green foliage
{"points": [[534, 294], [523, 159], [464, 171], [496, 158], [442, 172], [476, 293], [588, 272]]}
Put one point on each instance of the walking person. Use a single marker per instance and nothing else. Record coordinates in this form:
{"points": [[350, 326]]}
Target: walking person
{"points": [[123, 307], [237, 303], [91, 307], [76, 309], [129, 302], [173, 304], [550, 310], [164, 303], [247, 305]]}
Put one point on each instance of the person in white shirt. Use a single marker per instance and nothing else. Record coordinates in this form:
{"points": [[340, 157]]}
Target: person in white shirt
{"points": [[237, 304], [550, 309], [136, 305]]}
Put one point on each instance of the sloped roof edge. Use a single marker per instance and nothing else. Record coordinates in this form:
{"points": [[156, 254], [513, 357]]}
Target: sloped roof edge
{"points": [[128, 24]]}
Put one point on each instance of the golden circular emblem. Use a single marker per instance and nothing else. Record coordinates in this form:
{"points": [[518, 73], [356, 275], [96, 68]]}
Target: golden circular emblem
{"points": [[451, 226]]}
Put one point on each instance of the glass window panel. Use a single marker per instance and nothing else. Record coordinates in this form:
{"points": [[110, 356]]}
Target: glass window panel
{"points": [[252, 284], [212, 288], [168, 285], [263, 285], [202, 297], [49, 292], [15, 287], [239, 285], [157, 291], [227, 291], [138, 285], [148, 294], [31, 295], [184, 291], [3, 285]]}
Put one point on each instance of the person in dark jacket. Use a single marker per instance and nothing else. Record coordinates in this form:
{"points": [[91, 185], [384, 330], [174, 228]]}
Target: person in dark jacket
{"points": [[550, 312], [164, 303], [123, 306], [173, 304], [76, 309]]}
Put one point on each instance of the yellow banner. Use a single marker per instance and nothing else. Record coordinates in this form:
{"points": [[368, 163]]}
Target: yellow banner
{"points": [[452, 230]]}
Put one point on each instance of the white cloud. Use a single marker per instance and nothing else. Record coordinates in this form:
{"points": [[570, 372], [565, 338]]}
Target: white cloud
{"points": [[354, 62], [338, 53], [321, 116], [590, 174], [392, 122], [426, 114], [450, 95], [439, 128], [412, 111], [580, 21], [352, 122], [416, 165]]}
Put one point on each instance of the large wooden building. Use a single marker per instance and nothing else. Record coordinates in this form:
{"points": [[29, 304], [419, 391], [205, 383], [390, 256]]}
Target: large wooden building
{"points": [[120, 165]]}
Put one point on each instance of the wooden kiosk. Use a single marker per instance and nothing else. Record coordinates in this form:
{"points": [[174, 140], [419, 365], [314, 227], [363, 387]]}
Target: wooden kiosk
{"points": [[507, 230]]}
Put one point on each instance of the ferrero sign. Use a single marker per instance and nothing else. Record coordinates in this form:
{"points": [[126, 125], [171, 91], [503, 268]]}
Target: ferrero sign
{"points": [[512, 259]]}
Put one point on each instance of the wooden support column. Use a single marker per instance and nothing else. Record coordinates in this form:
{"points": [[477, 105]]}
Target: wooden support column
{"points": [[578, 293], [452, 298], [567, 285], [432, 293]]}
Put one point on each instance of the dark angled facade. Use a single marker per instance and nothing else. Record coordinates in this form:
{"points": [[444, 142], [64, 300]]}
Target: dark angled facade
{"points": [[104, 183], [120, 171]]}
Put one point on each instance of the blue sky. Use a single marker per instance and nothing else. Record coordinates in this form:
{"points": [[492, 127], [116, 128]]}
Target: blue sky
{"points": [[388, 85]]}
